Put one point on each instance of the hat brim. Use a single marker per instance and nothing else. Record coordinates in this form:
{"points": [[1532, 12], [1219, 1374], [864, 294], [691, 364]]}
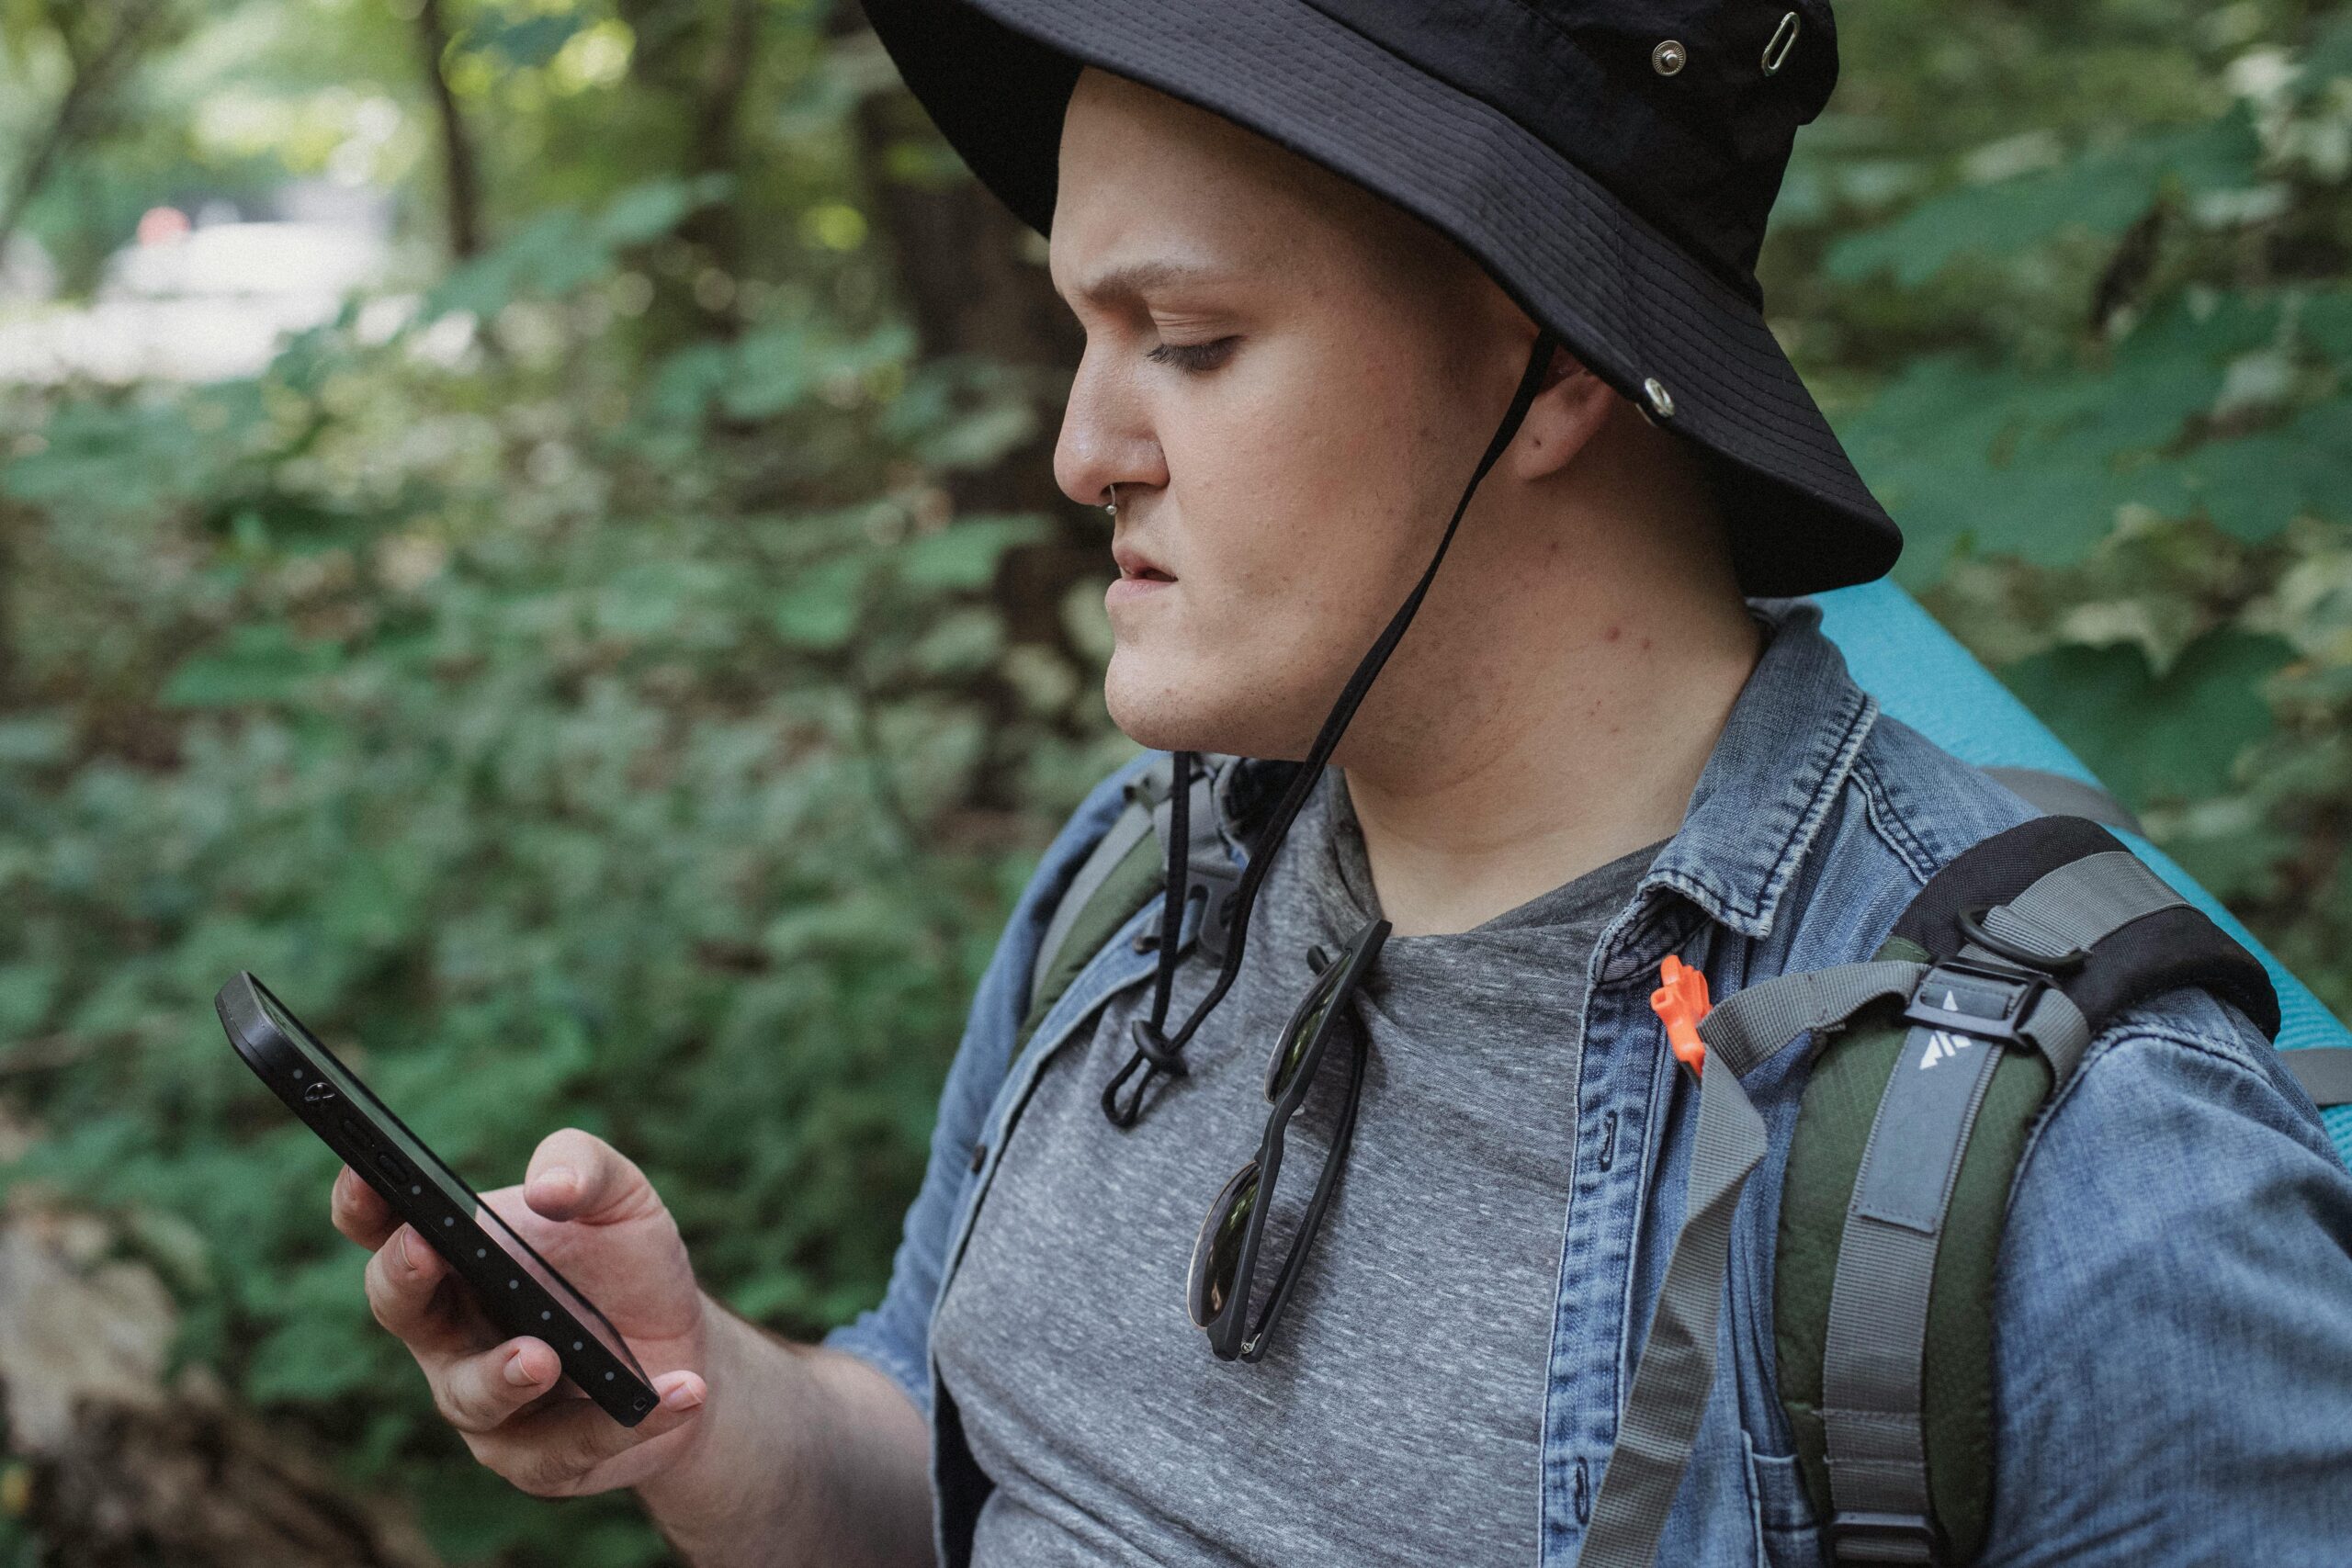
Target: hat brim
{"points": [[996, 76]]}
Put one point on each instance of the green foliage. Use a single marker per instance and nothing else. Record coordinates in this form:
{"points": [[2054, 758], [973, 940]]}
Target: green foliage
{"points": [[2154, 739], [2072, 281]]}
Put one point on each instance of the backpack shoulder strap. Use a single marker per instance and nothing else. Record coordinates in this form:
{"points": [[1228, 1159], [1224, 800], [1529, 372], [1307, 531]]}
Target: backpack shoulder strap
{"points": [[1906, 1144], [1126, 867], [2061, 795], [1932, 1061], [2324, 1071]]}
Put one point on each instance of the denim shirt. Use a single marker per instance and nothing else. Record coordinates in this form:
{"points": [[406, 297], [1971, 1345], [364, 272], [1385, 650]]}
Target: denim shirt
{"points": [[2172, 1378]]}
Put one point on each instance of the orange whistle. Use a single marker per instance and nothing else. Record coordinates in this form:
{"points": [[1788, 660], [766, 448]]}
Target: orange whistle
{"points": [[1680, 1003]]}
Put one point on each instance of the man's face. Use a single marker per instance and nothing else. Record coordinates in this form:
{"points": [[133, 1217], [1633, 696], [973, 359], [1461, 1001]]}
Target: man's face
{"points": [[1289, 389]]}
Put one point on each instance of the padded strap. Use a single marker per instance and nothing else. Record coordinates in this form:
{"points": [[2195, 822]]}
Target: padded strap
{"points": [[1148, 810], [1878, 1304], [1126, 830], [2062, 795], [1660, 1420], [1872, 1391], [2324, 1071], [1678, 1366]]}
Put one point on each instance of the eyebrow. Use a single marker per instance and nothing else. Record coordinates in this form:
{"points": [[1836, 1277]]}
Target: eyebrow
{"points": [[1131, 279]]}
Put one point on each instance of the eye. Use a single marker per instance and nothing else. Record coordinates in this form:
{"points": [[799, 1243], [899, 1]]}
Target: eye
{"points": [[1193, 356]]}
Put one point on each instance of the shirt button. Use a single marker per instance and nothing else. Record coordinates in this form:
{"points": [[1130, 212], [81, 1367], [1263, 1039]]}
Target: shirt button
{"points": [[979, 1156]]}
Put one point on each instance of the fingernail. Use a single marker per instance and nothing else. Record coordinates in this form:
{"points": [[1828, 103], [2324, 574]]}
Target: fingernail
{"points": [[408, 1248], [515, 1370], [558, 1175], [684, 1396]]}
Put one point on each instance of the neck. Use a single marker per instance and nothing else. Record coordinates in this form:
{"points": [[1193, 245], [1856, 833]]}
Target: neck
{"points": [[1572, 734]]}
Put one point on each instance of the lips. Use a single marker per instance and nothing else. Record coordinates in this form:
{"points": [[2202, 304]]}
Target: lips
{"points": [[1134, 563]]}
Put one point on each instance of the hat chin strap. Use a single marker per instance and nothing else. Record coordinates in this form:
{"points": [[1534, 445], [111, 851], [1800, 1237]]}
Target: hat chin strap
{"points": [[1156, 1051]]}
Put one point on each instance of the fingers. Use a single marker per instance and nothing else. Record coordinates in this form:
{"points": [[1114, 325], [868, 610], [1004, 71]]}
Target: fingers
{"points": [[476, 1392], [575, 1175], [358, 1210], [550, 1450], [403, 1283]]}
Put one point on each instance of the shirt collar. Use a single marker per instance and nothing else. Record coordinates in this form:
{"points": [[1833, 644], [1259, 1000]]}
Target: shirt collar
{"points": [[1785, 751]]}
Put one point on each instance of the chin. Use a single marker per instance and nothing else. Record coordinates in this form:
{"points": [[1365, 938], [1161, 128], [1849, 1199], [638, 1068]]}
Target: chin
{"points": [[1164, 707]]}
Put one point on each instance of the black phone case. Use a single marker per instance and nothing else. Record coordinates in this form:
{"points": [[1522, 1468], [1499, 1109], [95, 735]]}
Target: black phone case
{"points": [[360, 1128]]}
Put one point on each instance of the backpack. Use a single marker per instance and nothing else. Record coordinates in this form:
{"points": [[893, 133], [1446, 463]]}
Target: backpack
{"points": [[1931, 1063]]}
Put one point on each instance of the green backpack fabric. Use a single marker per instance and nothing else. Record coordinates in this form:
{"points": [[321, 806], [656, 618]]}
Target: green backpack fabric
{"points": [[1841, 1101], [2025, 945]]}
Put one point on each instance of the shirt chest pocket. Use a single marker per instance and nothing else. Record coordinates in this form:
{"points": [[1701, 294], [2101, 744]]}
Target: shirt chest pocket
{"points": [[1787, 1535]]}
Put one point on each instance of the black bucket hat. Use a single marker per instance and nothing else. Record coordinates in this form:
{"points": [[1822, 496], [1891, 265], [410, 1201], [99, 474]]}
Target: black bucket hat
{"points": [[1610, 164]]}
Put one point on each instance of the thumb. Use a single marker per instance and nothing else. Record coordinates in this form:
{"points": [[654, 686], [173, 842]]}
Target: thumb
{"points": [[575, 1175]]}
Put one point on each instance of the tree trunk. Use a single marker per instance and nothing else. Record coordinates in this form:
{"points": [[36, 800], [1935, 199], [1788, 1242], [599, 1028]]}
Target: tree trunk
{"points": [[717, 229], [460, 186], [972, 278]]}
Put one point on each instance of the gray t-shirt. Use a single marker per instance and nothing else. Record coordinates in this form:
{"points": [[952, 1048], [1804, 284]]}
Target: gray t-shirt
{"points": [[1396, 1415]]}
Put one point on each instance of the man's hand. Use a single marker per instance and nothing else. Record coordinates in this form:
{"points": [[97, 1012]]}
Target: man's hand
{"points": [[592, 1214]]}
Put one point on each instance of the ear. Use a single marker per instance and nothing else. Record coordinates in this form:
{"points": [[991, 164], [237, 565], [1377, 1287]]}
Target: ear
{"points": [[1568, 412]]}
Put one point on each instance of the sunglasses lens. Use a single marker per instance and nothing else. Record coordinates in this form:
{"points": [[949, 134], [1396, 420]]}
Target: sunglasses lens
{"points": [[1218, 1252], [1292, 1049]]}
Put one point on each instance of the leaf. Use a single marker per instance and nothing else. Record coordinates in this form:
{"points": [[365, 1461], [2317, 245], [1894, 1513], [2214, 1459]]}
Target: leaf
{"points": [[2101, 193], [527, 42], [2036, 465], [260, 663], [819, 610], [648, 212], [2154, 739], [964, 555]]}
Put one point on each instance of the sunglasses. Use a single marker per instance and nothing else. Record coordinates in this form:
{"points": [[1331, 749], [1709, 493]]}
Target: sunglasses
{"points": [[1225, 1255]]}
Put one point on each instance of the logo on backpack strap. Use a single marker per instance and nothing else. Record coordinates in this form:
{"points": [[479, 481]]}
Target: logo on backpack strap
{"points": [[1942, 1047]]}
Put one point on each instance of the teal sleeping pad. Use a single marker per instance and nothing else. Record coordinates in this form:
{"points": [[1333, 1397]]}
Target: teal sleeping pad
{"points": [[1922, 675]]}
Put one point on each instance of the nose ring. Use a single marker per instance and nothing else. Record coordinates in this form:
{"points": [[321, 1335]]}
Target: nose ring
{"points": [[1114, 507]]}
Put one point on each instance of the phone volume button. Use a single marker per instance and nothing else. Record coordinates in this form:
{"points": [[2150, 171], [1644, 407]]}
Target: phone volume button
{"points": [[389, 1164]]}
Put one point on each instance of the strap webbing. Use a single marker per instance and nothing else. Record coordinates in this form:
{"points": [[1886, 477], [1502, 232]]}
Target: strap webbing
{"points": [[2060, 796], [2324, 1071], [1751, 1024], [2079, 903], [1677, 1364]]}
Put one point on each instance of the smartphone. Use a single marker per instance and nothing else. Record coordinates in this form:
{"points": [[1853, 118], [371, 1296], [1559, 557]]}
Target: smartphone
{"points": [[520, 1291]]}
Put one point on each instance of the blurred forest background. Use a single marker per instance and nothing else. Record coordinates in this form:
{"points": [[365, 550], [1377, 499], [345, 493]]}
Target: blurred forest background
{"points": [[622, 666]]}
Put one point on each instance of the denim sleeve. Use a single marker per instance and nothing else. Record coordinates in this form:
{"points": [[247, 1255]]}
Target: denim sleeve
{"points": [[2173, 1350], [896, 1335]]}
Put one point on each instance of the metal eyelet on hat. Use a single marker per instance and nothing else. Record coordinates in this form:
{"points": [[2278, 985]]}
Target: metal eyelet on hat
{"points": [[1669, 58], [1784, 39], [1661, 401]]}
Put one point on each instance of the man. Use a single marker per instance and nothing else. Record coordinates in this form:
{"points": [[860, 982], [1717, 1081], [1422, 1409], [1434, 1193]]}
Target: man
{"points": [[1583, 751]]}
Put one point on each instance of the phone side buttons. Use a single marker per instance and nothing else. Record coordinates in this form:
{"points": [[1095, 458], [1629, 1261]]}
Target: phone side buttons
{"points": [[390, 1165]]}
